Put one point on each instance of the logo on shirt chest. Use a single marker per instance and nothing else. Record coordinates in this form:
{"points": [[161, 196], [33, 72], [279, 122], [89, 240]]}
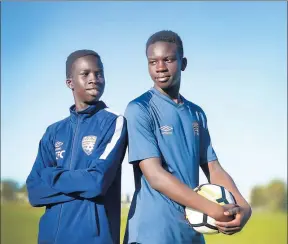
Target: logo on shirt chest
{"points": [[88, 143], [166, 130], [195, 126]]}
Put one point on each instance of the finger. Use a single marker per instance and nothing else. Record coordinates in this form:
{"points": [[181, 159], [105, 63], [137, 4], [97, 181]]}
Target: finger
{"points": [[229, 233], [233, 223], [233, 211], [228, 230]]}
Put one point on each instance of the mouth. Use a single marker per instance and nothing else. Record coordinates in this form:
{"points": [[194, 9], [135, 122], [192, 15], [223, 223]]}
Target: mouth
{"points": [[97, 88], [94, 91], [162, 78]]}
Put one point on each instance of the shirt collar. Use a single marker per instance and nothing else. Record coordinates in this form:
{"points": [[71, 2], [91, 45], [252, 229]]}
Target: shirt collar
{"points": [[169, 100], [87, 112]]}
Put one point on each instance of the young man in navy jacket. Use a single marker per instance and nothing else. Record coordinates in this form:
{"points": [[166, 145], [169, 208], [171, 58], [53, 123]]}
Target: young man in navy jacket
{"points": [[77, 172]]}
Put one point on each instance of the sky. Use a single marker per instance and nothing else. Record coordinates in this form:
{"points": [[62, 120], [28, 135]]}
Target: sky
{"points": [[237, 72]]}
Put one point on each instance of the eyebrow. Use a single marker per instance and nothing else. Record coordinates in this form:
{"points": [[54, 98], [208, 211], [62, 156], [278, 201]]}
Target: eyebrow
{"points": [[83, 70], [166, 56]]}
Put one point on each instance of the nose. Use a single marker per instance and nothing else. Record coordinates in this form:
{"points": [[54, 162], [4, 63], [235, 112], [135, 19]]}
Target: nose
{"points": [[161, 66], [92, 78]]}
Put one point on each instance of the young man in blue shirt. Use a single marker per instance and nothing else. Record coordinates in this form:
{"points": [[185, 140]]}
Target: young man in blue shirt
{"points": [[77, 172], [168, 141]]}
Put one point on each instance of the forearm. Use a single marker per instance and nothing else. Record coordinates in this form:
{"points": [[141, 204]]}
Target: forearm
{"points": [[221, 177], [40, 194], [170, 186], [85, 182]]}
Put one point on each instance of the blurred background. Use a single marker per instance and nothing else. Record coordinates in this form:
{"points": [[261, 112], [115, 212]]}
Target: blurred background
{"points": [[237, 72]]}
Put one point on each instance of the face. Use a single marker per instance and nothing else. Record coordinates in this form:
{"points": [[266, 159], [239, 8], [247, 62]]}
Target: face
{"points": [[87, 80], [165, 64]]}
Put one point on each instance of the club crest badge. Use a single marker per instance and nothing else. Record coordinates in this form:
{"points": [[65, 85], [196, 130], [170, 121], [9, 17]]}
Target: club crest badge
{"points": [[88, 143], [195, 126]]}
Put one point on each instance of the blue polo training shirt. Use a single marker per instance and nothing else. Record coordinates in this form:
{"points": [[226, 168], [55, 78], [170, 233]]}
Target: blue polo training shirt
{"points": [[178, 134]]}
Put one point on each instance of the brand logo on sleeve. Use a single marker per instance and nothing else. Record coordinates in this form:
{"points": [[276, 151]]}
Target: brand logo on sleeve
{"points": [[58, 150], [88, 143], [166, 130]]}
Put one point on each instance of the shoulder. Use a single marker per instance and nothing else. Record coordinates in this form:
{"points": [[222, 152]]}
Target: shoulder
{"points": [[139, 106], [197, 108], [53, 128], [199, 112], [110, 116]]}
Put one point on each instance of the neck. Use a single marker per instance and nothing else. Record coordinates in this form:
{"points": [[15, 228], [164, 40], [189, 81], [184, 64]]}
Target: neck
{"points": [[80, 106], [172, 92]]}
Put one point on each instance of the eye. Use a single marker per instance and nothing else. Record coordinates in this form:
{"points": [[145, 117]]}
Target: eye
{"points": [[169, 60], [152, 62], [99, 74], [85, 74]]}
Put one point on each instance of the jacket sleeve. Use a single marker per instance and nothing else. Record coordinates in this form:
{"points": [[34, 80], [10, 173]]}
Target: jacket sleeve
{"points": [[39, 192], [95, 180]]}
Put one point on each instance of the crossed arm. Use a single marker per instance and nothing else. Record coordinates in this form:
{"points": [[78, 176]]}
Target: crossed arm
{"points": [[51, 185]]}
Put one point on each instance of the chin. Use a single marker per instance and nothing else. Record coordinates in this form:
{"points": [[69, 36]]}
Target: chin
{"points": [[164, 85], [94, 96], [92, 101]]}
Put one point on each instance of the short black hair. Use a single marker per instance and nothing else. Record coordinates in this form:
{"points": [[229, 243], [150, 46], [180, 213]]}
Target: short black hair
{"points": [[166, 36], [75, 55]]}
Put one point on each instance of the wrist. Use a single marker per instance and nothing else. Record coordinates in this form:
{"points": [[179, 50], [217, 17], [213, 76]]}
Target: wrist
{"points": [[216, 211]]}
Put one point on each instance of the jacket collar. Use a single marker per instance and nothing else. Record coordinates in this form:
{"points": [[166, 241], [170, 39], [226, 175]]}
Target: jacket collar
{"points": [[86, 113]]}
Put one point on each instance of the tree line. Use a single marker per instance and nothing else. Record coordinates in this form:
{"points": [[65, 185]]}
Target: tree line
{"points": [[270, 197]]}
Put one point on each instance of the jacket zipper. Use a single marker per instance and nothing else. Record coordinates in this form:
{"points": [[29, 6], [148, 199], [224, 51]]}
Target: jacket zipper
{"points": [[73, 143]]}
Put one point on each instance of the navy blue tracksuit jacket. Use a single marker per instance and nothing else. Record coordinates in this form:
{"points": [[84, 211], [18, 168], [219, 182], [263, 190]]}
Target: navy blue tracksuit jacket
{"points": [[77, 176]]}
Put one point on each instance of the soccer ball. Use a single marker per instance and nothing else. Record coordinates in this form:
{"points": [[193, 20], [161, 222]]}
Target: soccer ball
{"points": [[201, 222]]}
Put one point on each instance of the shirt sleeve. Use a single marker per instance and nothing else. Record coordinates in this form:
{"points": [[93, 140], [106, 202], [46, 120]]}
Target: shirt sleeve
{"points": [[142, 142], [207, 153]]}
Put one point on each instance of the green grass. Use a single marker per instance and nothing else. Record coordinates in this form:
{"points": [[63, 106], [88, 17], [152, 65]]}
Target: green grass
{"points": [[262, 228], [19, 225]]}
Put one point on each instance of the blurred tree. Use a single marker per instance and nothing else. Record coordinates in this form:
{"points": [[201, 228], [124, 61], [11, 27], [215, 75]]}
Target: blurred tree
{"points": [[23, 189], [276, 194], [258, 197], [9, 189], [271, 197]]}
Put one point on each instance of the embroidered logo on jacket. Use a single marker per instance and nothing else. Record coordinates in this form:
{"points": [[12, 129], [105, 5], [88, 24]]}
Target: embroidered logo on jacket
{"points": [[195, 126], [166, 129], [88, 143], [58, 150]]}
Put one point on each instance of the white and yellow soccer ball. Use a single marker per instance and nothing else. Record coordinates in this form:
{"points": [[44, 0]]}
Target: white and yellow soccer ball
{"points": [[200, 222]]}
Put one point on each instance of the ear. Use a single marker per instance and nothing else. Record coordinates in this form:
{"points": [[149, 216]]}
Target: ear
{"points": [[184, 64], [69, 83]]}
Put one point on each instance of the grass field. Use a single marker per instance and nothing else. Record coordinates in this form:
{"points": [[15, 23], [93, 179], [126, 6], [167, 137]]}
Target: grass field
{"points": [[19, 225]]}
